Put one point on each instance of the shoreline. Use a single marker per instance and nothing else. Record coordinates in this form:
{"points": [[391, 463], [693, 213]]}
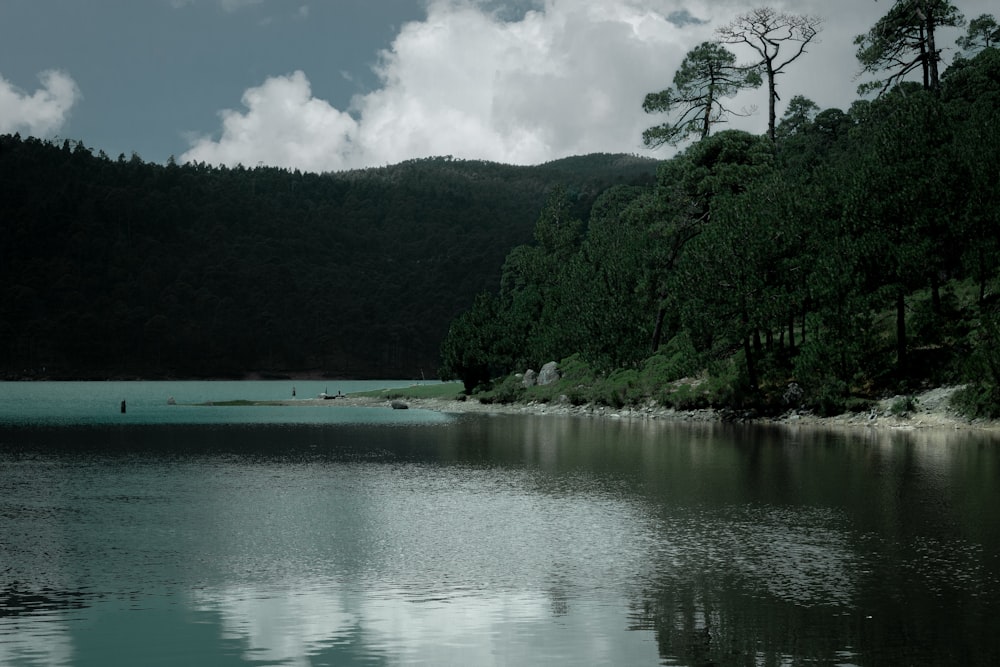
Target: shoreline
{"points": [[931, 411]]}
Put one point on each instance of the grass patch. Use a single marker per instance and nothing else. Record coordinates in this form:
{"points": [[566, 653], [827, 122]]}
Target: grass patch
{"points": [[240, 403], [443, 390]]}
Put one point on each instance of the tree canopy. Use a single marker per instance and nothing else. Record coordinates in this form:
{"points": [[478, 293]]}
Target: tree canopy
{"points": [[766, 32], [707, 75], [125, 268], [903, 41], [854, 254]]}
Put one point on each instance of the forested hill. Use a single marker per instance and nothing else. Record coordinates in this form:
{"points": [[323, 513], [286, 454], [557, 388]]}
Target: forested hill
{"points": [[126, 268]]}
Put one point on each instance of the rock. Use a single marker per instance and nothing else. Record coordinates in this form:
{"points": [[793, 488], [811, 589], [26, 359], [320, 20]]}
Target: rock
{"points": [[549, 373], [399, 405], [530, 378]]}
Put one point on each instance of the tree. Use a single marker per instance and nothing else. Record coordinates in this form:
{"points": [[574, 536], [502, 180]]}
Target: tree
{"points": [[721, 271], [765, 30], [903, 41], [902, 199], [531, 289], [707, 74], [970, 90], [983, 33], [798, 115], [469, 351]]}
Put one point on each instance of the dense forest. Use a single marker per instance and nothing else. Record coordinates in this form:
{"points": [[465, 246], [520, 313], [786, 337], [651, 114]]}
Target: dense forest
{"points": [[122, 268], [844, 254]]}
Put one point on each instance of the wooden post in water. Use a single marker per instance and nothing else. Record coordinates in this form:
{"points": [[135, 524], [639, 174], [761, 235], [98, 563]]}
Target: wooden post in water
{"points": [[123, 406]]}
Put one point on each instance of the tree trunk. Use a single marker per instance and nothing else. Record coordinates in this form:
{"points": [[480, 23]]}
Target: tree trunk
{"points": [[658, 330], [935, 294], [772, 95], [706, 122], [751, 365], [901, 329], [751, 338], [982, 274], [932, 57]]}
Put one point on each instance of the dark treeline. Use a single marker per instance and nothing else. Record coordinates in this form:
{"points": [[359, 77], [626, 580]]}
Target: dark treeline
{"points": [[854, 253], [126, 268]]}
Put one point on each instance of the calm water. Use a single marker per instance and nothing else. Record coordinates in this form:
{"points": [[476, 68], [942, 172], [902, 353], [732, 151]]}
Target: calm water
{"points": [[329, 536]]}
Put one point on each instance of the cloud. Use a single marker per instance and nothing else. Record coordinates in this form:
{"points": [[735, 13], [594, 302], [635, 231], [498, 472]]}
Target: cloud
{"points": [[284, 125], [563, 80], [41, 113], [518, 82]]}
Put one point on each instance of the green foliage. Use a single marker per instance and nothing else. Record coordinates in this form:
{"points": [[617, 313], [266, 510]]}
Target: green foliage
{"points": [[707, 74], [721, 386], [902, 406], [472, 351], [977, 401], [903, 41], [445, 390], [678, 359], [618, 389], [129, 268], [509, 390], [983, 33], [981, 396], [830, 259]]}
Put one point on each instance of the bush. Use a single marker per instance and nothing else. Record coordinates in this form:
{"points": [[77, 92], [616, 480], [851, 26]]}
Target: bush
{"points": [[619, 389], [510, 390], [685, 397], [901, 406], [575, 370], [980, 400], [677, 359]]}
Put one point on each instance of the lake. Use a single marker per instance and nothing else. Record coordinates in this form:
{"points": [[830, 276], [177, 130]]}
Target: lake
{"points": [[293, 535]]}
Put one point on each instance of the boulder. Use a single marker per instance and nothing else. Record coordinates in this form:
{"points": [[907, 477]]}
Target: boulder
{"points": [[549, 373], [530, 378]]}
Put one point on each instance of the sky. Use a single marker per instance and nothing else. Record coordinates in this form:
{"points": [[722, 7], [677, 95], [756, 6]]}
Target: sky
{"points": [[329, 85]]}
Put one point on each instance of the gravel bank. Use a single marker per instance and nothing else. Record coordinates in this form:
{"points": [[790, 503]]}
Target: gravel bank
{"points": [[930, 410]]}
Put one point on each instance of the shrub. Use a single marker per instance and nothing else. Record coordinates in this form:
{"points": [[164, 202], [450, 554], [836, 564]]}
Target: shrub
{"points": [[677, 359], [575, 370], [901, 406], [980, 400], [510, 390], [619, 389], [685, 397]]}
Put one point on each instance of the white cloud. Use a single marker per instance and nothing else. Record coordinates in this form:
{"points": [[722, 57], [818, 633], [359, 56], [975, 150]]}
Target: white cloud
{"points": [[568, 79], [285, 126], [40, 113], [478, 80]]}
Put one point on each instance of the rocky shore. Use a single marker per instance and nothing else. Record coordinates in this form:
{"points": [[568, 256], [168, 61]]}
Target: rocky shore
{"points": [[929, 409]]}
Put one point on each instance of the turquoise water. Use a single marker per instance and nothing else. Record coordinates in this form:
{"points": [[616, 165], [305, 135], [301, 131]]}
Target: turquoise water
{"points": [[482, 540], [93, 403]]}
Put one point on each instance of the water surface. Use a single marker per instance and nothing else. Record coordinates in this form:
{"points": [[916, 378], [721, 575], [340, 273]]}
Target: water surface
{"points": [[267, 538]]}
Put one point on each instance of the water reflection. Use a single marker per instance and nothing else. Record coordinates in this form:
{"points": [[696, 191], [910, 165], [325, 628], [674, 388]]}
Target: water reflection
{"points": [[31, 631], [495, 540], [327, 624]]}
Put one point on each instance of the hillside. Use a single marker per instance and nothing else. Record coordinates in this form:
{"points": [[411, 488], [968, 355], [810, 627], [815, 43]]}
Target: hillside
{"points": [[130, 269]]}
